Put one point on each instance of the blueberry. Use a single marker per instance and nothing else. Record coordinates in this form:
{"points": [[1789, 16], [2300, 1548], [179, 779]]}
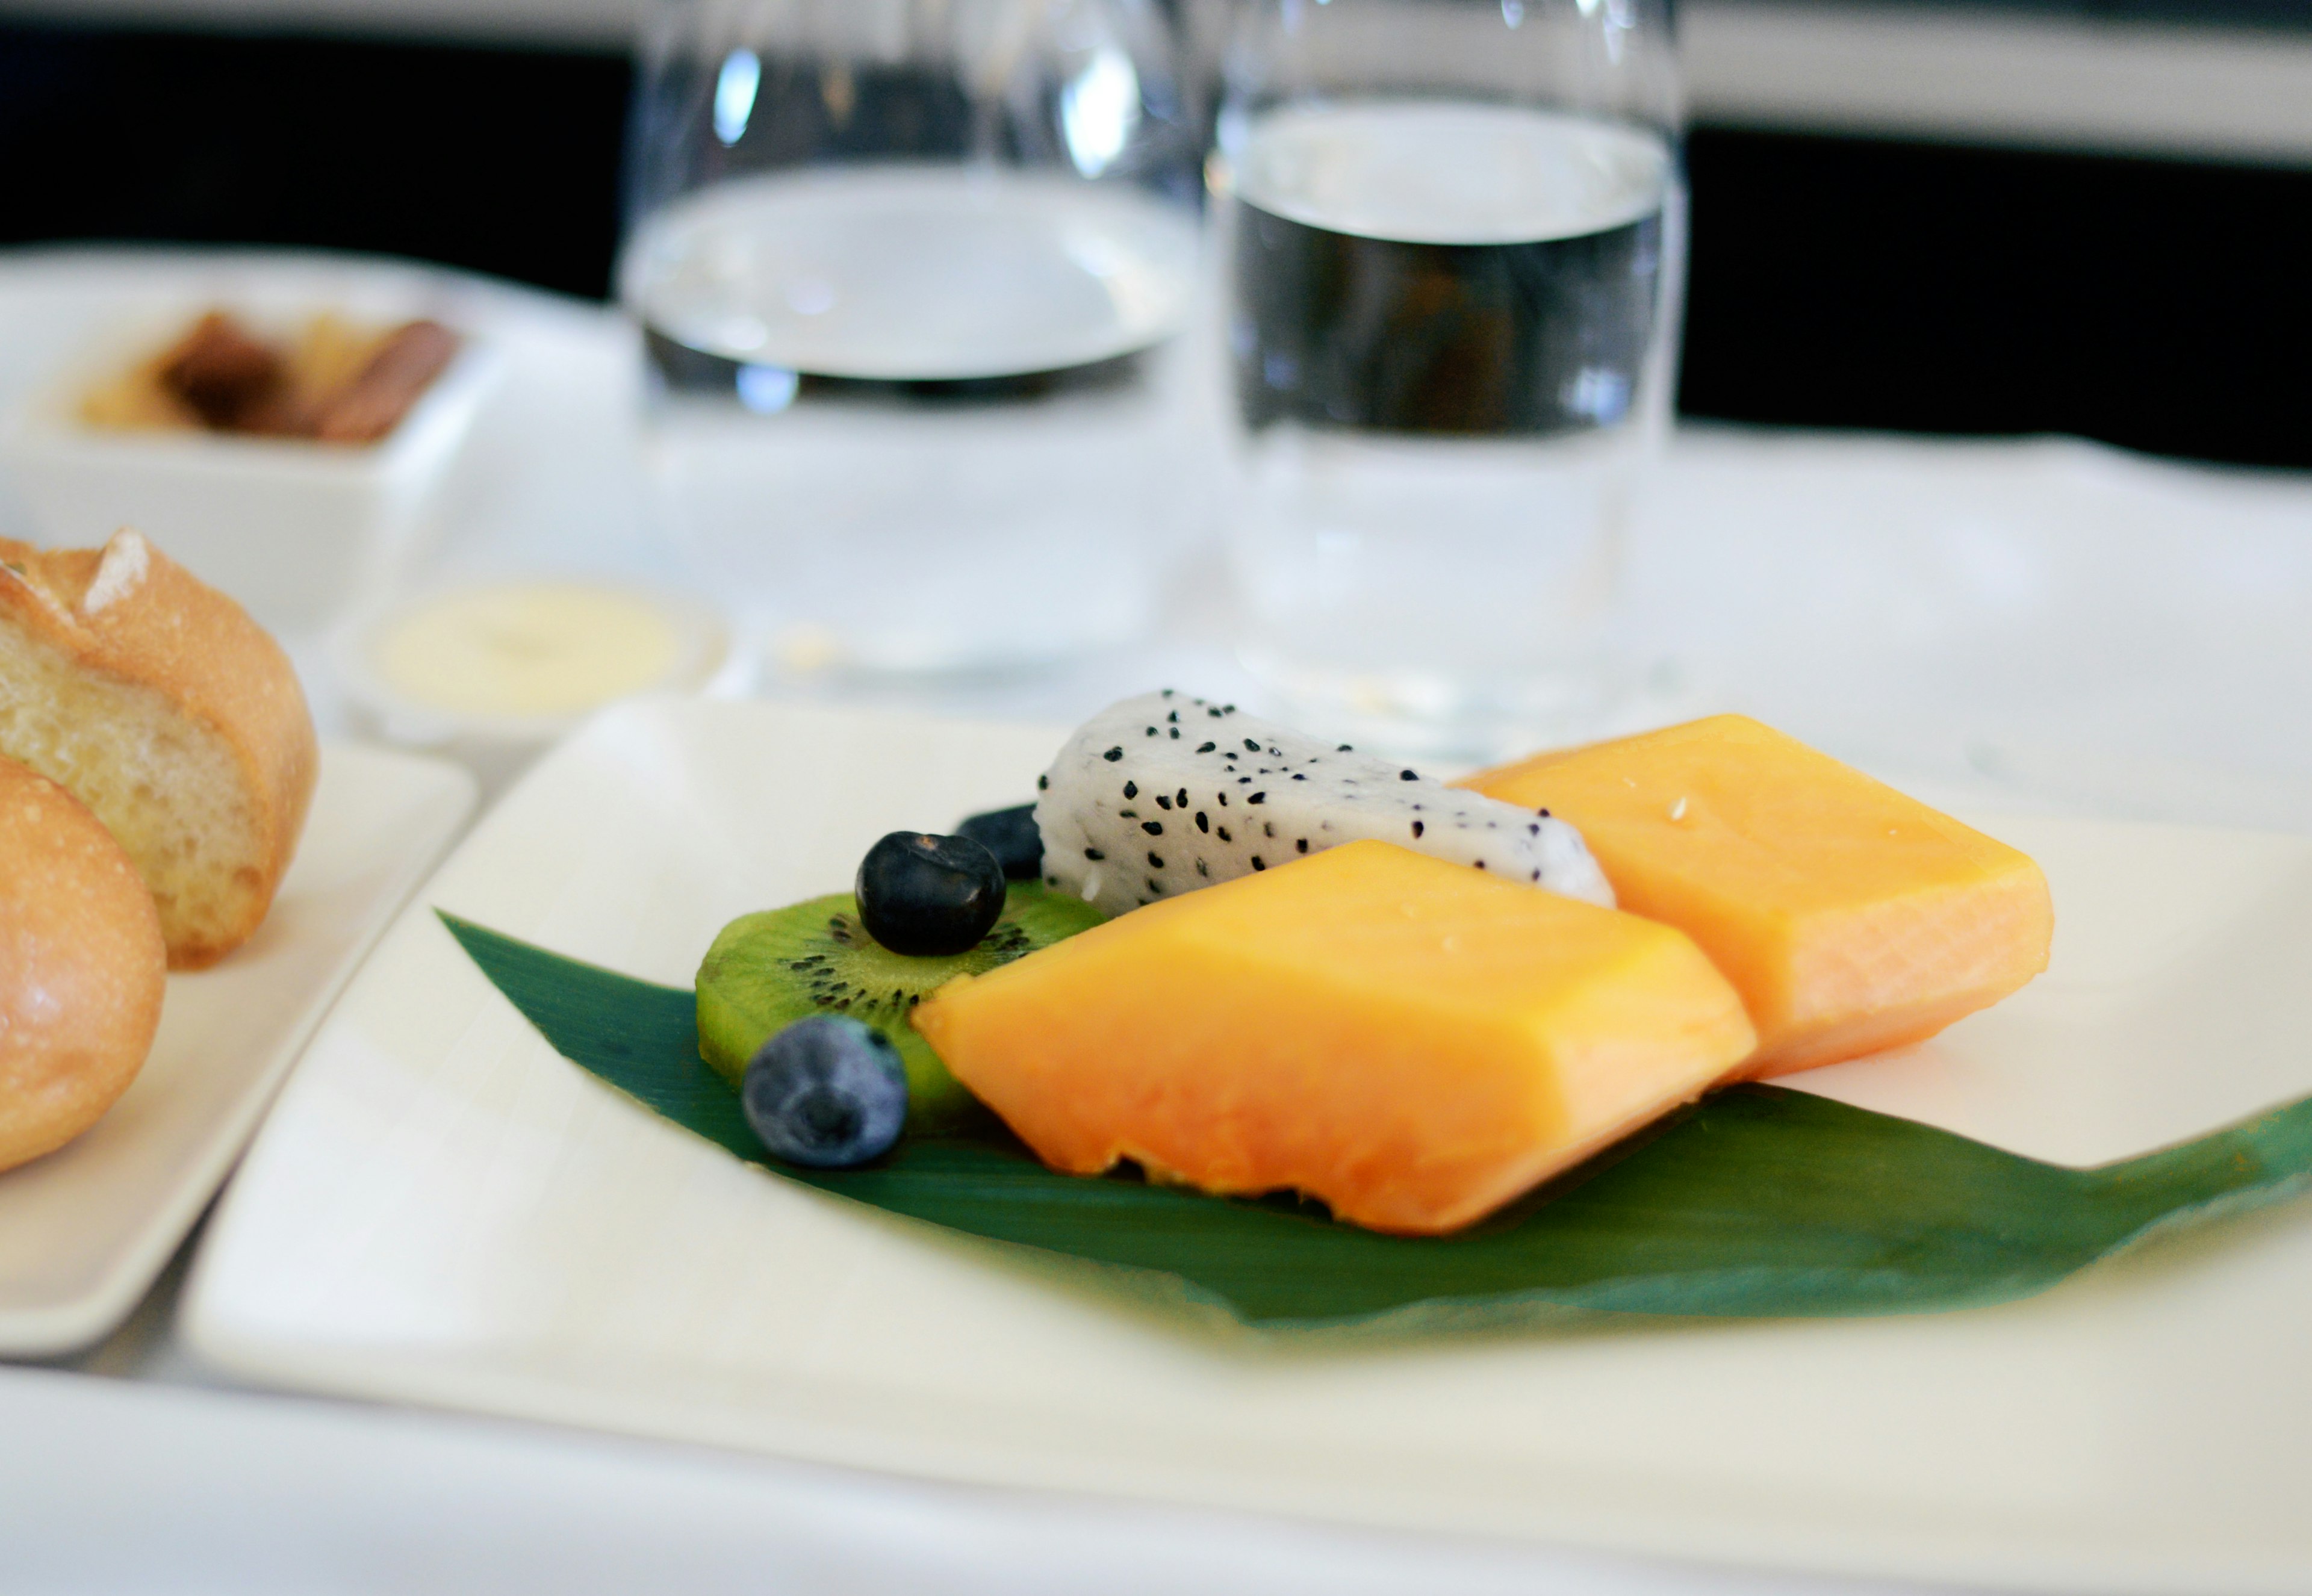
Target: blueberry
{"points": [[928, 896], [1011, 835], [826, 1091]]}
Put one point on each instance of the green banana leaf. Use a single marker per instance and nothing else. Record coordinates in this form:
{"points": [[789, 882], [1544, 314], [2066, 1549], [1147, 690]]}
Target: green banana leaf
{"points": [[1756, 1202]]}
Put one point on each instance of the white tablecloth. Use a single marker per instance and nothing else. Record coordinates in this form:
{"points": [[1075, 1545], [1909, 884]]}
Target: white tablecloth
{"points": [[2043, 623]]}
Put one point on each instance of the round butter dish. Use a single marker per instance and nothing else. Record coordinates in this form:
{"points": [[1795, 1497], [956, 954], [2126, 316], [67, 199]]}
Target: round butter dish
{"points": [[493, 672]]}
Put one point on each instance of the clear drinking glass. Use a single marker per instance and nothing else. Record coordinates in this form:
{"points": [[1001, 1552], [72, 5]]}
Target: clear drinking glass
{"points": [[1456, 240], [909, 275]]}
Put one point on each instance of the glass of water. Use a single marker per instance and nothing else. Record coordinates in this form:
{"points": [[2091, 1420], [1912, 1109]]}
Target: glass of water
{"points": [[910, 276], [1455, 244]]}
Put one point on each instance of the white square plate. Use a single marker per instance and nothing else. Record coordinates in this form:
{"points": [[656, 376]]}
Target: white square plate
{"points": [[442, 1210], [84, 1231]]}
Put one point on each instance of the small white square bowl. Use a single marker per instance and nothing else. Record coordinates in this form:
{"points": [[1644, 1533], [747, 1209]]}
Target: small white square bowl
{"points": [[296, 530]]}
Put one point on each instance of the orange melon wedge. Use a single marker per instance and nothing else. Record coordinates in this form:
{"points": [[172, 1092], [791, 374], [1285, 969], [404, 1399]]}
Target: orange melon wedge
{"points": [[1850, 916], [1413, 1041]]}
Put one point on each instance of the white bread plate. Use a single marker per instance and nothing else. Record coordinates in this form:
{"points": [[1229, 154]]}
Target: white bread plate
{"points": [[295, 530], [84, 1231]]}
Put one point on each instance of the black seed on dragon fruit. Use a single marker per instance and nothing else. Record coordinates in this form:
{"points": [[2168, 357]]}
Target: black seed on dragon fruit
{"points": [[1313, 795]]}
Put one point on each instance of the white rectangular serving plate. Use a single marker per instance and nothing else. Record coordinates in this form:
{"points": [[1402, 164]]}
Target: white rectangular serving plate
{"points": [[84, 1231], [441, 1210]]}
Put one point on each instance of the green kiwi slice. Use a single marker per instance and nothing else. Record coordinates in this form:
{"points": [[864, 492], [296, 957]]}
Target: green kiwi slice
{"points": [[767, 970]]}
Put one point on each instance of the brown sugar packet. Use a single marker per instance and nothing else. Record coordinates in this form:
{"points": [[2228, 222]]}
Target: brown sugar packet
{"points": [[374, 402], [221, 371]]}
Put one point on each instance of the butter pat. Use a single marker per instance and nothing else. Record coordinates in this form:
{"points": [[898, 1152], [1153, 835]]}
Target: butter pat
{"points": [[492, 673], [528, 650]]}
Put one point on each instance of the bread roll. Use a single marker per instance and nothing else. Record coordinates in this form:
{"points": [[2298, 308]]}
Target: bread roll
{"points": [[168, 712], [82, 967]]}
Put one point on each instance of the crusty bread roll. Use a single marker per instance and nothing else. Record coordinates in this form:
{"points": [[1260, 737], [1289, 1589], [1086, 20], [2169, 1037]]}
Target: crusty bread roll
{"points": [[82, 967], [167, 711]]}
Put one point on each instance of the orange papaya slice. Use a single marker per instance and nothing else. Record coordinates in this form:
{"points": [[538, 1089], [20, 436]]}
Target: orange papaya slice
{"points": [[1851, 916], [1412, 1040]]}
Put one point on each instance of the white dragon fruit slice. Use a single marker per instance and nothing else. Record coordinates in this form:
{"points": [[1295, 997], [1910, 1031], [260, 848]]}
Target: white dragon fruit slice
{"points": [[1163, 794]]}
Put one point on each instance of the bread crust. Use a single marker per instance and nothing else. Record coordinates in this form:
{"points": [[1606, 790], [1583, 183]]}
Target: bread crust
{"points": [[130, 612], [82, 967]]}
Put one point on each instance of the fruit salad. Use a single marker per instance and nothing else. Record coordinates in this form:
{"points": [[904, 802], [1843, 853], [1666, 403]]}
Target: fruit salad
{"points": [[1250, 960]]}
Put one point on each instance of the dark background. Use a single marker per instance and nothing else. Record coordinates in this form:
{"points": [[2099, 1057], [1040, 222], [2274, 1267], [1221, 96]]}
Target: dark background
{"points": [[2164, 305]]}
